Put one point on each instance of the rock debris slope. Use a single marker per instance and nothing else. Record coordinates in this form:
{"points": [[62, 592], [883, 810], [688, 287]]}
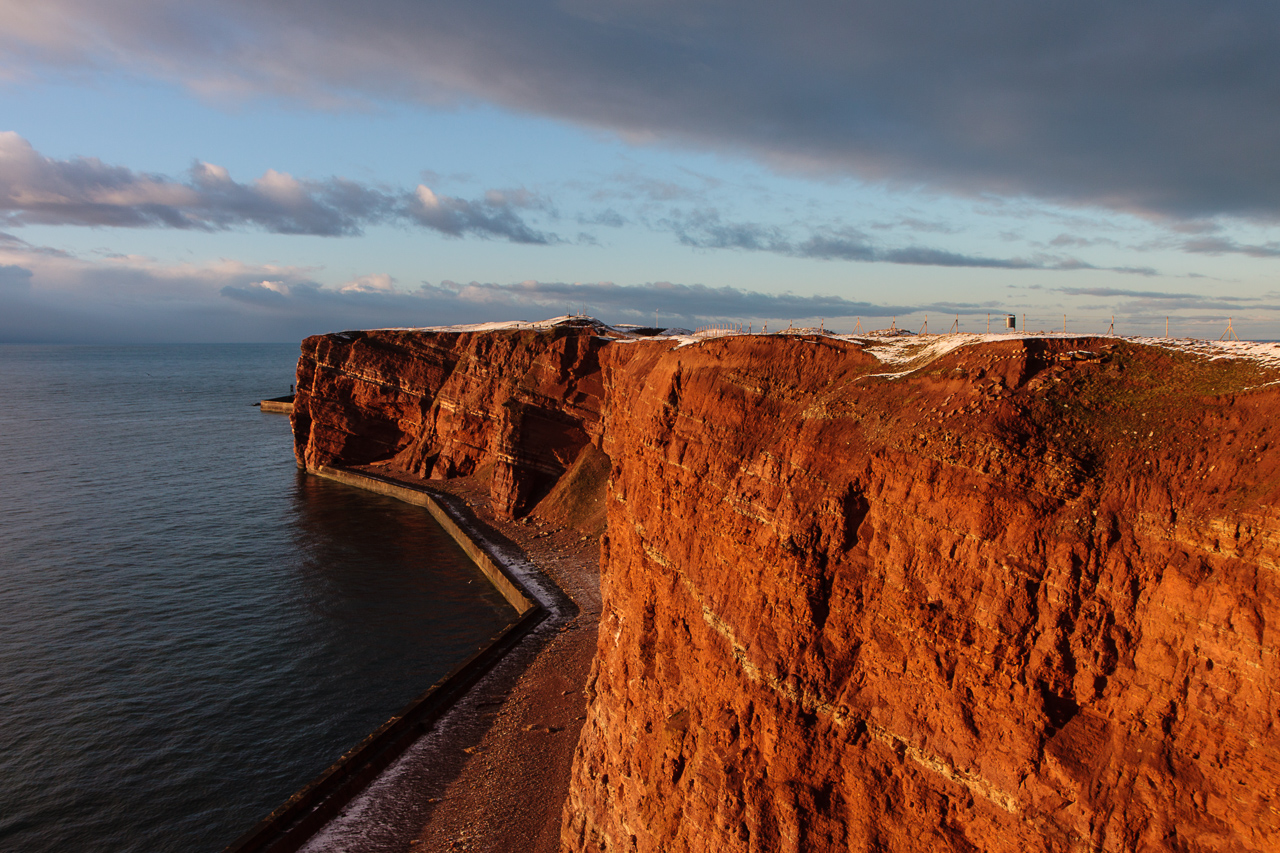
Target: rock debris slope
{"points": [[1010, 595]]}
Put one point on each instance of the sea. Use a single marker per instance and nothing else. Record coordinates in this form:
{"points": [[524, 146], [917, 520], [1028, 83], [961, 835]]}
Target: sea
{"points": [[190, 627]]}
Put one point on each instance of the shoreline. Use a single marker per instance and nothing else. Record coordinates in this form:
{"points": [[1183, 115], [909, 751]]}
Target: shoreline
{"points": [[477, 771], [500, 769], [496, 567]]}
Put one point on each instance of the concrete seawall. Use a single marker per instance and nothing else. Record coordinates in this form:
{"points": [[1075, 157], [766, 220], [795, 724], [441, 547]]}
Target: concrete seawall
{"points": [[290, 826], [278, 405], [503, 580]]}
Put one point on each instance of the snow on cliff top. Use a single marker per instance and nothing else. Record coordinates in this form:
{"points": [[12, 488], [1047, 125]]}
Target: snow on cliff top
{"points": [[916, 351], [622, 331], [905, 351], [1266, 353], [502, 325], [909, 352]]}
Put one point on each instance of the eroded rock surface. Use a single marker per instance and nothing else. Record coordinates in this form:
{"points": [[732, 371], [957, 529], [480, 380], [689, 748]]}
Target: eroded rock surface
{"points": [[1022, 597], [515, 408]]}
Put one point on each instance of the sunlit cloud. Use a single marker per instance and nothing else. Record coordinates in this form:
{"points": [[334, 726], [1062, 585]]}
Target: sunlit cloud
{"points": [[38, 190], [372, 283]]}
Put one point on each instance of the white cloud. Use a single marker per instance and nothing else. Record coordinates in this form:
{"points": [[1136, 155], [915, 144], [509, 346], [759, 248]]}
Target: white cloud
{"points": [[372, 283], [429, 200], [85, 191]]}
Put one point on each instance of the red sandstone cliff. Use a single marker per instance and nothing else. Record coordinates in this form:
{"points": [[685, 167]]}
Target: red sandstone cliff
{"points": [[517, 408], [1017, 599]]}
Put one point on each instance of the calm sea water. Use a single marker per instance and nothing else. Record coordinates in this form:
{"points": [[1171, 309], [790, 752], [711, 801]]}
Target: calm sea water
{"points": [[190, 628]]}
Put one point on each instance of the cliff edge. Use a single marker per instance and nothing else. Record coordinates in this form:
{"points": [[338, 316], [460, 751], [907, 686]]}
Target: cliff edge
{"points": [[955, 592]]}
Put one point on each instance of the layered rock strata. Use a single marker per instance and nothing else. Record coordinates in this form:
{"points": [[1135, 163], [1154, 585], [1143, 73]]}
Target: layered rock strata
{"points": [[518, 409], [1018, 596]]}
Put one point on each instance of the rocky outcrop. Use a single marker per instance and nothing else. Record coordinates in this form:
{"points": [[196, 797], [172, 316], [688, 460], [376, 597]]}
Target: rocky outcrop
{"points": [[516, 408], [1018, 596]]}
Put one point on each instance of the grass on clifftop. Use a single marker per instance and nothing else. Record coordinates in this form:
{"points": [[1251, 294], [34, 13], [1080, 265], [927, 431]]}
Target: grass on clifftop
{"points": [[1137, 398]]}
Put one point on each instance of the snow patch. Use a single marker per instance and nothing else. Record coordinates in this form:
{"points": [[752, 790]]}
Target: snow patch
{"points": [[505, 325], [915, 352], [903, 350], [1266, 354]]}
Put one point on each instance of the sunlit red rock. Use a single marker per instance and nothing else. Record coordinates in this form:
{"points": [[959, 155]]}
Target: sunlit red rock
{"points": [[515, 407], [1021, 597]]}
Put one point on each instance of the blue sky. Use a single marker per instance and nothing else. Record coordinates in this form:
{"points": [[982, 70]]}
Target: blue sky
{"points": [[262, 171]]}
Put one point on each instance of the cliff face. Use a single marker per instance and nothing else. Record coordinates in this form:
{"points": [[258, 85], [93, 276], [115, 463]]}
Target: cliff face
{"points": [[517, 409], [1009, 602], [1022, 597]]}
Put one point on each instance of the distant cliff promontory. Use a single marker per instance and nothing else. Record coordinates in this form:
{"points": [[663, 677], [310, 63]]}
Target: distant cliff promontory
{"points": [[899, 594]]}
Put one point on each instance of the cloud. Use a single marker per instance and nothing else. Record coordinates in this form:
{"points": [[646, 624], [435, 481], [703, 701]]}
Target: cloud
{"points": [[608, 217], [15, 243], [925, 256], [56, 296], [1141, 294], [1076, 242], [912, 223], [1153, 301], [1224, 246], [1162, 109], [687, 303], [121, 299], [59, 297], [373, 283], [14, 278], [704, 229], [85, 191], [494, 216]]}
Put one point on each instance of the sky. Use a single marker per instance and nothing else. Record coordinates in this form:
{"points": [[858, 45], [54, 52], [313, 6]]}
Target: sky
{"points": [[261, 171]]}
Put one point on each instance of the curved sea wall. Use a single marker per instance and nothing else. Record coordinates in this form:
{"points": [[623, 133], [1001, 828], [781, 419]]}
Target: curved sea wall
{"points": [[1017, 595]]}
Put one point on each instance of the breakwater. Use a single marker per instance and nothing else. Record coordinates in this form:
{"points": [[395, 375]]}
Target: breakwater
{"points": [[277, 405], [289, 826]]}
